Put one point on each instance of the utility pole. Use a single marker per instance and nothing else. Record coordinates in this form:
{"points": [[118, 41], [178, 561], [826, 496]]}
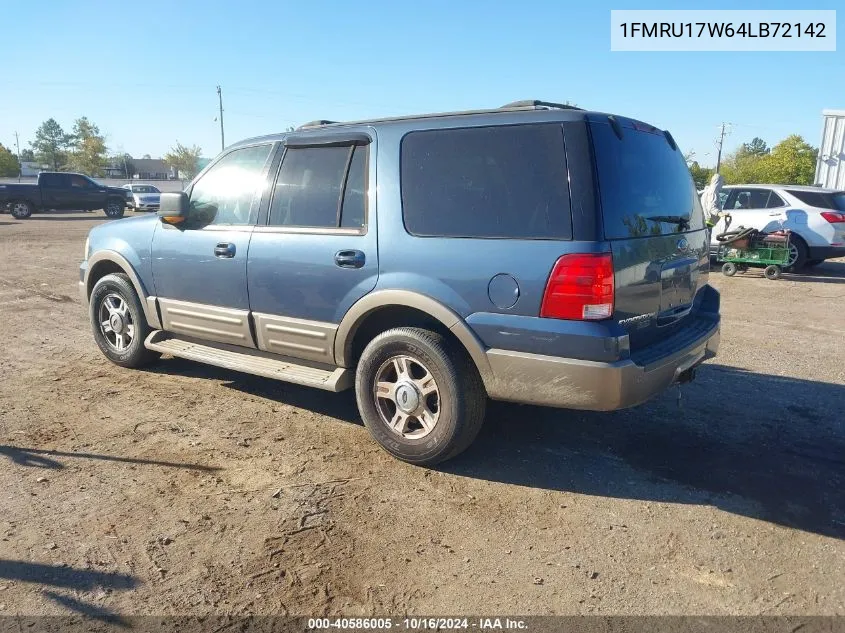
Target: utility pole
{"points": [[719, 144], [220, 100], [18, 149]]}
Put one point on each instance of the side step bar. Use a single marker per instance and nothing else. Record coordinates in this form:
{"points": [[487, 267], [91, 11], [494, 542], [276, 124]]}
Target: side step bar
{"points": [[251, 362]]}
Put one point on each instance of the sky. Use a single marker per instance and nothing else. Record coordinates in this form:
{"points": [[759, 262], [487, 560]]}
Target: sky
{"points": [[146, 73]]}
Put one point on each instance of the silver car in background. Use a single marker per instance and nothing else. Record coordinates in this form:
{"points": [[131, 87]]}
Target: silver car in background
{"points": [[142, 197]]}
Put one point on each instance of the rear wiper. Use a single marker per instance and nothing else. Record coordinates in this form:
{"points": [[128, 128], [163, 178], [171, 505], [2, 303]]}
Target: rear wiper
{"points": [[681, 220]]}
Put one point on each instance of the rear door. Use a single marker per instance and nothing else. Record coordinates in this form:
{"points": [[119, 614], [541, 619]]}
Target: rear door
{"points": [[654, 223], [56, 192], [315, 253]]}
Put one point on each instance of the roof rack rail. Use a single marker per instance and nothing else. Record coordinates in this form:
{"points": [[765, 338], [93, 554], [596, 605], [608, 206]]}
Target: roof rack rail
{"points": [[315, 123], [534, 103]]}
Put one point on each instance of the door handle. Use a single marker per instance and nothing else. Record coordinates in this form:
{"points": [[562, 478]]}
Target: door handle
{"points": [[350, 259], [224, 250]]}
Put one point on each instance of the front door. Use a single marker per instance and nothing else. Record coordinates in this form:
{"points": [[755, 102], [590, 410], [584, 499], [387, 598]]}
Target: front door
{"points": [[199, 266], [753, 207], [316, 253], [85, 193]]}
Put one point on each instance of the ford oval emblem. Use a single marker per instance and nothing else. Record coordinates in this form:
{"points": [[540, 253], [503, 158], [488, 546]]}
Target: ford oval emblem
{"points": [[683, 244]]}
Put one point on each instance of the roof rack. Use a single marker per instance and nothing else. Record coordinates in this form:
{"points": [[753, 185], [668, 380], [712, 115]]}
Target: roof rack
{"points": [[315, 123], [539, 105]]}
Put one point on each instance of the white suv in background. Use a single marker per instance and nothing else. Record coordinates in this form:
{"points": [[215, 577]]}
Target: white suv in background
{"points": [[815, 216]]}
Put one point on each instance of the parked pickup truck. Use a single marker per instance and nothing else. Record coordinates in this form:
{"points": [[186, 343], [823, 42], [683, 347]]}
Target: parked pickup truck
{"points": [[59, 190]]}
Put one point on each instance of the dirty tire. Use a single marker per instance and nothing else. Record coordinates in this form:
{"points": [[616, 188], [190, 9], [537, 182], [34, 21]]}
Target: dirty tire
{"points": [[462, 398], [135, 354], [729, 269], [114, 208], [20, 209], [772, 272], [798, 253]]}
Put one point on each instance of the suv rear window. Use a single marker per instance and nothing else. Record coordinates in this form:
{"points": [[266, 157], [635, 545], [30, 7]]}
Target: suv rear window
{"points": [[646, 188], [486, 182], [821, 199]]}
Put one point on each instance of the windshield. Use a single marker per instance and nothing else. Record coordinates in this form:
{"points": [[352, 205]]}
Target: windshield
{"points": [[646, 187], [145, 189]]}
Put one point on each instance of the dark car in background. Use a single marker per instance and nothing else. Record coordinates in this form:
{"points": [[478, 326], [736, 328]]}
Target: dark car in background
{"points": [[62, 191]]}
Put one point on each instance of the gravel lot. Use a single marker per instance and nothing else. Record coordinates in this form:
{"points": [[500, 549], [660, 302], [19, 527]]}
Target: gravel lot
{"points": [[187, 489]]}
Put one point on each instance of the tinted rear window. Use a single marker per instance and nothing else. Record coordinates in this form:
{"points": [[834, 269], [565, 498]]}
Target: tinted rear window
{"points": [[491, 182], [821, 199], [646, 188]]}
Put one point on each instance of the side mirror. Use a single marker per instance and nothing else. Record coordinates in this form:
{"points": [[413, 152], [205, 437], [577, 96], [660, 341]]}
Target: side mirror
{"points": [[173, 207]]}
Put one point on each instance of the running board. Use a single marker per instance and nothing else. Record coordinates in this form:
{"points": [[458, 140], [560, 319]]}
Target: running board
{"points": [[251, 362]]}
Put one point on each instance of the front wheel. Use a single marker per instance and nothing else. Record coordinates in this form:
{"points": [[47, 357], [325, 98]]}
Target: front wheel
{"points": [[729, 269], [21, 209], [772, 272], [114, 208], [118, 322], [420, 395]]}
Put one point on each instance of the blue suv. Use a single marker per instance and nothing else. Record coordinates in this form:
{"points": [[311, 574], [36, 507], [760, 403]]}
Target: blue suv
{"points": [[536, 253]]}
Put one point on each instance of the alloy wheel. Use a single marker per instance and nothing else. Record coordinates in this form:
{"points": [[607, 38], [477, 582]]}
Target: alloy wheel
{"points": [[407, 397], [116, 322]]}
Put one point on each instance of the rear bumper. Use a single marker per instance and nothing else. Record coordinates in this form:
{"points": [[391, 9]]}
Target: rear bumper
{"points": [[580, 384], [825, 252]]}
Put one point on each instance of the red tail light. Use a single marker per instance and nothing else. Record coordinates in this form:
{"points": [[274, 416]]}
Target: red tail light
{"points": [[580, 288], [833, 217]]}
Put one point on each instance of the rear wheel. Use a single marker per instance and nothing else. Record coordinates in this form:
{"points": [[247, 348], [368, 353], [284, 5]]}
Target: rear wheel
{"points": [[114, 208], [729, 269], [21, 209], [420, 395], [797, 254], [118, 322]]}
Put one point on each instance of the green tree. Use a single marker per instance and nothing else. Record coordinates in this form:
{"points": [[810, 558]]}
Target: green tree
{"points": [[124, 162], [9, 165], [757, 147], [184, 159], [700, 175], [791, 162], [27, 155], [51, 144], [89, 148]]}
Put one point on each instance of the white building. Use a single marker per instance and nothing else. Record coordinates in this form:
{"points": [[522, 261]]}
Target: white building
{"points": [[830, 168], [30, 169]]}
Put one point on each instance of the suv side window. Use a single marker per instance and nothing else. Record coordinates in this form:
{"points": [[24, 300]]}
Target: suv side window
{"points": [[775, 201], [750, 199], [486, 182], [321, 187], [813, 198], [228, 191]]}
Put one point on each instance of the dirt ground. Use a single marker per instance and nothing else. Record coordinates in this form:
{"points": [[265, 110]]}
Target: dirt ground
{"points": [[186, 489]]}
